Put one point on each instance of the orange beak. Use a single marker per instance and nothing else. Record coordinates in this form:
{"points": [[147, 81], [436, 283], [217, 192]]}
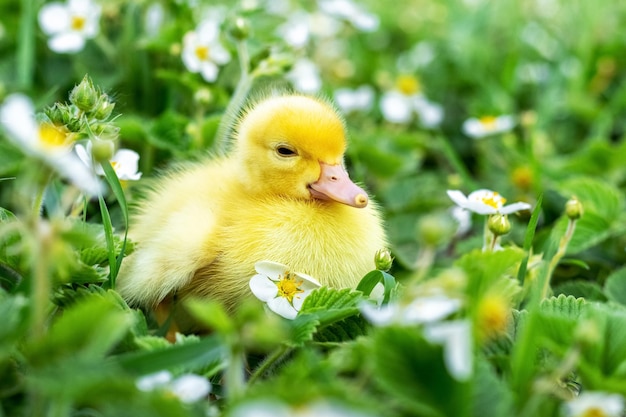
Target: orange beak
{"points": [[334, 184]]}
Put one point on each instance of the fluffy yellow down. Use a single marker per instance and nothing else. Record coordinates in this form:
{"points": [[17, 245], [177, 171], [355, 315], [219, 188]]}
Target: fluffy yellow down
{"points": [[205, 224]]}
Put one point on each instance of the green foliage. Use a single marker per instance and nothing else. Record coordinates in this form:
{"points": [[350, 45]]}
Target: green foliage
{"points": [[70, 346]]}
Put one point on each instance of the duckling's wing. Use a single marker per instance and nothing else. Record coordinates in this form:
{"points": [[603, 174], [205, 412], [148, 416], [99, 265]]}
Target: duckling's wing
{"points": [[176, 236]]}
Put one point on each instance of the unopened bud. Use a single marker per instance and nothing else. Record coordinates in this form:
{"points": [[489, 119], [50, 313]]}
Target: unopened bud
{"points": [[499, 224], [105, 131], [102, 150], [587, 333], [383, 259], [240, 28], [103, 108], [573, 209], [84, 95], [55, 114], [203, 96], [435, 229]]}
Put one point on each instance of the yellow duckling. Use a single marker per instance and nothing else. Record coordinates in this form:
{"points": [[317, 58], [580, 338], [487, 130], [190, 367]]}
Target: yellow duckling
{"points": [[282, 194]]}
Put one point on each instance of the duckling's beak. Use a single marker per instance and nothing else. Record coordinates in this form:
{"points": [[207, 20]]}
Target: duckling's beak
{"points": [[334, 184]]}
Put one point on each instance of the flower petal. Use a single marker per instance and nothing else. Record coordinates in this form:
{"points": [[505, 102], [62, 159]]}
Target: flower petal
{"points": [[458, 197], [512, 208], [190, 388], [455, 336], [219, 55], [153, 381], [17, 116], [68, 42], [127, 164], [379, 316], [281, 306], [308, 282], [263, 288], [430, 309], [69, 166], [270, 269], [54, 18], [209, 71], [395, 107]]}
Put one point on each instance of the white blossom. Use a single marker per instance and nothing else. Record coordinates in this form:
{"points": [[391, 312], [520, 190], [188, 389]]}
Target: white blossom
{"points": [[284, 291], [69, 24]]}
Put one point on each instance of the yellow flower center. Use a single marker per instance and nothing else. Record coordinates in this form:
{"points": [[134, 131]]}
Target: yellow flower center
{"points": [[593, 412], [494, 200], [289, 286], [408, 85], [202, 52], [78, 22], [522, 177], [493, 315], [488, 122], [51, 136]]}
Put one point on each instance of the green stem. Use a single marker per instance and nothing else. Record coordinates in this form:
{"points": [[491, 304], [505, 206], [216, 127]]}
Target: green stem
{"points": [[235, 373], [488, 237], [268, 363], [237, 100], [40, 290], [26, 45], [423, 263], [571, 226], [456, 162]]}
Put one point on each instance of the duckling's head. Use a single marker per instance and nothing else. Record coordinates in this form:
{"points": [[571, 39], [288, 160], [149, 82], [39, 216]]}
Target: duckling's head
{"points": [[293, 146]]}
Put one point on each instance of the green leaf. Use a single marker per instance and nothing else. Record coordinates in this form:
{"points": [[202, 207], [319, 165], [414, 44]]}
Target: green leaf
{"points": [[208, 352], [564, 306], [116, 187], [13, 310], [485, 269], [601, 219], [615, 286], [326, 298], [491, 397], [108, 233], [369, 281], [597, 197], [412, 371], [581, 289], [326, 307], [528, 239], [87, 330], [212, 314]]}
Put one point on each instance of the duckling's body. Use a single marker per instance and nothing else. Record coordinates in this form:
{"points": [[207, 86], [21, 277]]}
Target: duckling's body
{"points": [[206, 224]]}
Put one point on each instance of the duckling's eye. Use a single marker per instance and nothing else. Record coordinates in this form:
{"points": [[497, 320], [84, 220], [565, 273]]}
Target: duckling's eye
{"points": [[284, 150]]}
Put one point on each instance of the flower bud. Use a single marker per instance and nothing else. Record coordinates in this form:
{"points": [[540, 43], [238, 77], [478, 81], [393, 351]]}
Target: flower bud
{"points": [[103, 108], [240, 28], [105, 131], [587, 333], [573, 209], [102, 150], [203, 96], [499, 224], [435, 229], [54, 114], [84, 95], [383, 259]]}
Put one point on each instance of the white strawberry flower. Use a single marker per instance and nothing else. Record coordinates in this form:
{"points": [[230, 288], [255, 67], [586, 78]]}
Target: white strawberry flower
{"points": [[70, 24], [284, 291], [46, 141], [188, 388], [595, 403], [485, 202], [125, 162], [478, 128], [203, 51]]}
